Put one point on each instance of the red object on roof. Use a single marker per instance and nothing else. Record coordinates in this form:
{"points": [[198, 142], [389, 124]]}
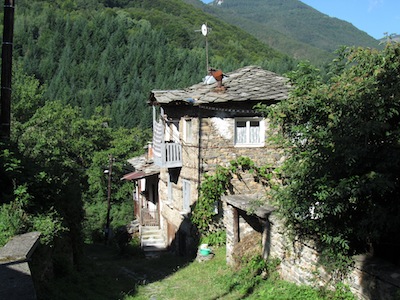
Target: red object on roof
{"points": [[218, 75], [138, 175]]}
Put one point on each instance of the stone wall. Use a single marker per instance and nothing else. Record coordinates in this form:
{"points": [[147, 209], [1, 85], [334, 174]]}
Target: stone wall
{"points": [[370, 278], [218, 149], [15, 274], [211, 145]]}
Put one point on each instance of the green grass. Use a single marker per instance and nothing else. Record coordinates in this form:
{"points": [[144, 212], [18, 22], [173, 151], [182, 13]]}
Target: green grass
{"points": [[197, 280], [106, 274]]}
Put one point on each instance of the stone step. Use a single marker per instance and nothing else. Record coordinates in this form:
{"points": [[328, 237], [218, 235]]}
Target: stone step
{"points": [[146, 242], [149, 229], [152, 236], [157, 236], [152, 241], [154, 251], [153, 247]]}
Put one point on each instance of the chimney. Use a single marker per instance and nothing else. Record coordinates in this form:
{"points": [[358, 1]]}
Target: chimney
{"points": [[150, 151], [218, 75]]}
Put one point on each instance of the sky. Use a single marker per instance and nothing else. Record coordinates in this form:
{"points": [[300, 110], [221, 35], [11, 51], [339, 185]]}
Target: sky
{"points": [[375, 17]]}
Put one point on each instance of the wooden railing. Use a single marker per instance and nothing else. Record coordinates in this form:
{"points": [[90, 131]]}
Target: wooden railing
{"points": [[170, 155], [149, 217]]}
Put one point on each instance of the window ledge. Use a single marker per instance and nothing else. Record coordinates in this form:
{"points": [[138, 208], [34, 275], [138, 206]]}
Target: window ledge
{"points": [[249, 145]]}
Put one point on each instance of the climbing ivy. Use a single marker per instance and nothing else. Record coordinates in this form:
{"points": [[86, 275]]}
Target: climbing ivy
{"points": [[215, 185]]}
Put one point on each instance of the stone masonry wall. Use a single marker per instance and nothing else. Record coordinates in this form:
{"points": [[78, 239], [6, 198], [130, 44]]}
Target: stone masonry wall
{"points": [[368, 279], [218, 149], [211, 145]]}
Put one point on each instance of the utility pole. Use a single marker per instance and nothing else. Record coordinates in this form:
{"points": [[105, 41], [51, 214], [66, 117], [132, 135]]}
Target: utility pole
{"points": [[6, 69], [205, 30], [107, 229]]}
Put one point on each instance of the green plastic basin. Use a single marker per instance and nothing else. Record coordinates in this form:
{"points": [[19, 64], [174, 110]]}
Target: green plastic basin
{"points": [[205, 252]]}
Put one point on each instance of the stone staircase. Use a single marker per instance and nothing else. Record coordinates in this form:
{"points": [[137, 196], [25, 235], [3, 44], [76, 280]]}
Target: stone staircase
{"points": [[152, 241]]}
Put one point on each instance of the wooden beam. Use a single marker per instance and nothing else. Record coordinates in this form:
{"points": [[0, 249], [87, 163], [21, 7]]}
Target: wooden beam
{"points": [[236, 230]]}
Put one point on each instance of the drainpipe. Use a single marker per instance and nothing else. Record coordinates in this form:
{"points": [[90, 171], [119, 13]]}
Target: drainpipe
{"points": [[6, 69]]}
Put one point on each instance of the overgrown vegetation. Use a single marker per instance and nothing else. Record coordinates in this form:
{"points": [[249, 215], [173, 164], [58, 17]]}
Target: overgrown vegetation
{"points": [[82, 74], [213, 279], [52, 173], [217, 184], [341, 183], [106, 274]]}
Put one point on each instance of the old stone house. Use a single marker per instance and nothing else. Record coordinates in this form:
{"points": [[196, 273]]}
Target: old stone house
{"points": [[203, 126], [206, 125]]}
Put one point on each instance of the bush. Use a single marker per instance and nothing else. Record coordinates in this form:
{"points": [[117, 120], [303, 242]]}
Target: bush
{"points": [[217, 238], [11, 221], [49, 225]]}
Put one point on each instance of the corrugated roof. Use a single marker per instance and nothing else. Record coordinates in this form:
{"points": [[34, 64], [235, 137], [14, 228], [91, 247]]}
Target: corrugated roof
{"points": [[139, 175], [250, 83]]}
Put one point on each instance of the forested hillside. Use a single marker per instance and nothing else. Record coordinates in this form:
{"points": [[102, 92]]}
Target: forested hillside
{"points": [[82, 73], [290, 26], [112, 53]]}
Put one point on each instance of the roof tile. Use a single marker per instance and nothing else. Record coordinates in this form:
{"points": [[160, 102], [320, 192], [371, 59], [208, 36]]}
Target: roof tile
{"points": [[250, 83]]}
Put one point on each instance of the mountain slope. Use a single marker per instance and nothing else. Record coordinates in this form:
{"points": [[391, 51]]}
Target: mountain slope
{"points": [[290, 26], [111, 53]]}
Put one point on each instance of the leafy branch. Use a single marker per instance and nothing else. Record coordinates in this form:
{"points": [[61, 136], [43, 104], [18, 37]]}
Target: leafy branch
{"points": [[215, 185]]}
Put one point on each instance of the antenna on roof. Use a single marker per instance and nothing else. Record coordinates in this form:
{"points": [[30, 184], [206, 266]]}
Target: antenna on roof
{"points": [[205, 30]]}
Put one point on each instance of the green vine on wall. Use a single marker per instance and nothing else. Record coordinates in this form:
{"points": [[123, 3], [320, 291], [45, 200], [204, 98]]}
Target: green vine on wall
{"points": [[215, 185]]}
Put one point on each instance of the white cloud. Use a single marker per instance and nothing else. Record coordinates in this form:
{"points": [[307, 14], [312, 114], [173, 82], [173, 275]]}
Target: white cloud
{"points": [[374, 4]]}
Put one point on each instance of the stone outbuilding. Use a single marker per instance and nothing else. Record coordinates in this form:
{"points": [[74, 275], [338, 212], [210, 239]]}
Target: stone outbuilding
{"points": [[247, 226]]}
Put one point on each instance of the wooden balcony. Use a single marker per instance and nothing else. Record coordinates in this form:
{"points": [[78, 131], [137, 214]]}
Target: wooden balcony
{"points": [[169, 155]]}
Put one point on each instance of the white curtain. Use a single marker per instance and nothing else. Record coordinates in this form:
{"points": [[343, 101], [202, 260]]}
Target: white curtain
{"points": [[241, 132], [158, 137], [254, 137]]}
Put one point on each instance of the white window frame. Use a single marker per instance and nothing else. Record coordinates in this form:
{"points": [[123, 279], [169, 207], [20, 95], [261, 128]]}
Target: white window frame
{"points": [[172, 131], [247, 142], [186, 195], [188, 130]]}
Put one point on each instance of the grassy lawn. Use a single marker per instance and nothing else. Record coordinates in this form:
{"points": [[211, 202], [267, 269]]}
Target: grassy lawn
{"points": [[107, 274], [197, 280]]}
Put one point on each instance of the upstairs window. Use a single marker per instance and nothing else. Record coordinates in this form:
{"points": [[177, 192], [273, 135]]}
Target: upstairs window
{"points": [[249, 132], [172, 131], [188, 131]]}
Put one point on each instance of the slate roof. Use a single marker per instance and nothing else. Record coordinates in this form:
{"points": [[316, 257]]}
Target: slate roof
{"points": [[250, 83], [143, 168], [244, 202]]}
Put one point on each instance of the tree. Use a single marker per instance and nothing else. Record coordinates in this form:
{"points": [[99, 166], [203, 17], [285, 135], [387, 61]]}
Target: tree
{"points": [[126, 143], [341, 184]]}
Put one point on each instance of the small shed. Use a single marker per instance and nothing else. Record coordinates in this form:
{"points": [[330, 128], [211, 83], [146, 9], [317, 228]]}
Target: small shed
{"points": [[246, 219]]}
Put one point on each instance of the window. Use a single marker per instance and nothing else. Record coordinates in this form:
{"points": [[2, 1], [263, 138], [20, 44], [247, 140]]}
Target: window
{"points": [[172, 131], [186, 195], [188, 131], [249, 132]]}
